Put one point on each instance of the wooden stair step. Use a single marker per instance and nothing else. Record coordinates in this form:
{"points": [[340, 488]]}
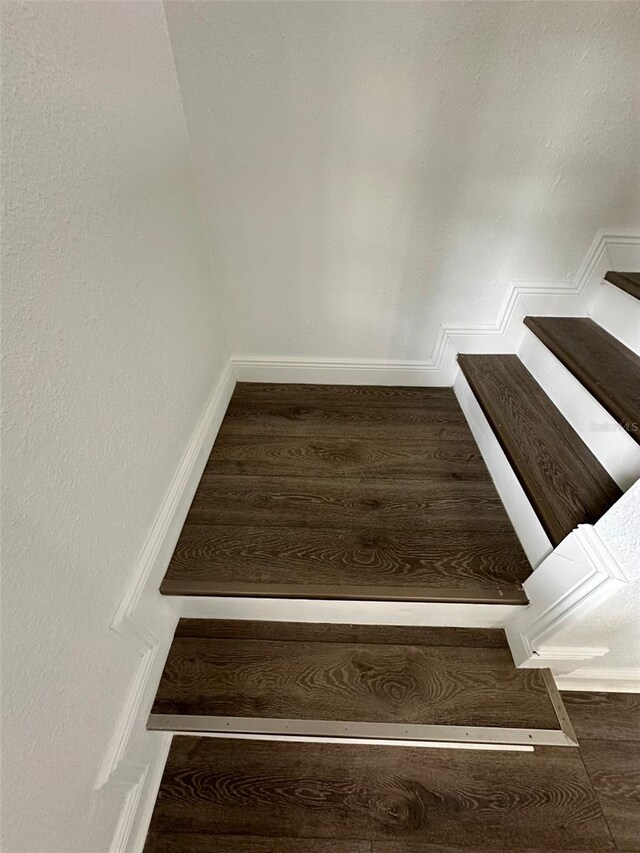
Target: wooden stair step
{"points": [[346, 492], [360, 564], [608, 369], [447, 684], [243, 796], [563, 480], [627, 281]]}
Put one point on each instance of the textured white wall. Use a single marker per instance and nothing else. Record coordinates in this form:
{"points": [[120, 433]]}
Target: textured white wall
{"points": [[112, 346], [371, 170]]}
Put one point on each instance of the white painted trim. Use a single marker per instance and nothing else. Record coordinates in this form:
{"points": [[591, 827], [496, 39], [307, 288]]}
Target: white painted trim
{"points": [[144, 620], [601, 680], [530, 532], [570, 584], [609, 442], [344, 612], [568, 297]]}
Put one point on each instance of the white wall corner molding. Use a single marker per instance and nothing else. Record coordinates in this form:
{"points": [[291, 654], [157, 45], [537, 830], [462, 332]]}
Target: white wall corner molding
{"points": [[594, 679], [570, 297], [145, 621], [574, 581]]}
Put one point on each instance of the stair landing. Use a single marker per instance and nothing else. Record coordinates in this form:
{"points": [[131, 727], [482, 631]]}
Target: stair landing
{"points": [[347, 492]]}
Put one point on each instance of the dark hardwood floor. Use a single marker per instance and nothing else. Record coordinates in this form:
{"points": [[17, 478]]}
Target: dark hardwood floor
{"points": [[564, 481], [355, 492], [628, 281], [269, 797], [273, 670], [608, 369]]}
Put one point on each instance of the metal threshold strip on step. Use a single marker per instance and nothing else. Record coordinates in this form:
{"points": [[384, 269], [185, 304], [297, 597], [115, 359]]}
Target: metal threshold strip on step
{"points": [[399, 734]]}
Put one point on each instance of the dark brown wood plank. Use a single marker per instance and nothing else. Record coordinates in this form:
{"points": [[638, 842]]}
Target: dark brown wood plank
{"points": [[208, 555], [614, 769], [323, 632], [604, 716], [608, 369], [188, 842], [440, 419], [627, 281], [281, 679], [324, 503], [419, 847], [360, 395], [473, 799], [287, 456], [564, 481]]}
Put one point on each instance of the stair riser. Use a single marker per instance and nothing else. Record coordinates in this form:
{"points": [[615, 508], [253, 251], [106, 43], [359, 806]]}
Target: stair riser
{"points": [[608, 441], [345, 612]]}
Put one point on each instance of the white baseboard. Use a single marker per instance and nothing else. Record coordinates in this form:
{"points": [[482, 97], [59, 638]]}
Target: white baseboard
{"points": [[568, 297], [593, 680], [144, 620]]}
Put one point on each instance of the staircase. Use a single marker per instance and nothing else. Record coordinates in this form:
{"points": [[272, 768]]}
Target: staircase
{"points": [[343, 577]]}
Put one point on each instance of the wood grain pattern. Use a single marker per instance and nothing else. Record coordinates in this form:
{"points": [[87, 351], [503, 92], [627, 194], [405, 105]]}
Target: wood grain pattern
{"points": [[323, 632], [608, 369], [323, 503], [604, 716], [627, 281], [208, 554], [342, 491], [438, 420], [564, 481], [283, 679], [286, 456], [514, 800], [361, 395], [614, 769], [180, 842]]}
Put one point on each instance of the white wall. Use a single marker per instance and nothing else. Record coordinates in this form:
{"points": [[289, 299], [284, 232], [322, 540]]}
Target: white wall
{"points": [[112, 346], [371, 170], [615, 625]]}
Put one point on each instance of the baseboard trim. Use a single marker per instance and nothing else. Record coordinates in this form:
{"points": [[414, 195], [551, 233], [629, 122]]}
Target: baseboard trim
{"points": [[575, 580], [503, 335], [601, 680], [145, 622]]}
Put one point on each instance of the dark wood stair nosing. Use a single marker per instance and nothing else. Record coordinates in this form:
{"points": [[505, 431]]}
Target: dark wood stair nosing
{"points": [[337, 592], [629, 282]]}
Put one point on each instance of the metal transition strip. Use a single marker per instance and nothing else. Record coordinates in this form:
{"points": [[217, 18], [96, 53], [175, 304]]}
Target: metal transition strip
{"points": [[339, 729], [451, 595]]}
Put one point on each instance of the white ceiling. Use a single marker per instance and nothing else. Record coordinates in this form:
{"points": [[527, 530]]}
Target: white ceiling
{"points": [[370, 170]]}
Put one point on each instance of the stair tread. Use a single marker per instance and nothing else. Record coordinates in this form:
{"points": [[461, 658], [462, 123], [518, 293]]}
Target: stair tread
{"points": [[563, 480], [347, 492], [410, 798], [281, 677], [608, 369], [628, 281]]}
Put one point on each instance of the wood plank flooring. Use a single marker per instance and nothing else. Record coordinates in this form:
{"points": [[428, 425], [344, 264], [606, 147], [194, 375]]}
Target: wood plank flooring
{"points": [[347, 492], [259, 797], [272, 670], [380, 794], [608, 369], [564, 481]]}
